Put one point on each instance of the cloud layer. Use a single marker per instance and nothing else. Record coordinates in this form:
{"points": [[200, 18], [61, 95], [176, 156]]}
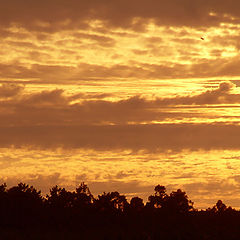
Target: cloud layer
{"points": [[53, 107], [51, 119], [55, 14], [163, 137]]}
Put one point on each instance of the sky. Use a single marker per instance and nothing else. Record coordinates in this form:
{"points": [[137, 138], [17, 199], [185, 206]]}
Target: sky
{"points": [[122, 95]]}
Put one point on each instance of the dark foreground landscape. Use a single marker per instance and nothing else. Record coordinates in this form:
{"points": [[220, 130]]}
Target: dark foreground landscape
{"points": [[26, 214]]}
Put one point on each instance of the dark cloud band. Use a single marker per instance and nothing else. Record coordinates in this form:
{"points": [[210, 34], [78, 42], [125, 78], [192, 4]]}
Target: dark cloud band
{"points": [[54, 14], [163, 137]]}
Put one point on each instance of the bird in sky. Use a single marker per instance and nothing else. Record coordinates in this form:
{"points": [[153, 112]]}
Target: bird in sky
{"points": [[202, 38]]}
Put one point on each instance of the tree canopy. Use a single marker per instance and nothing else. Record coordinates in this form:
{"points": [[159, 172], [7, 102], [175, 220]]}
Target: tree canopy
{"points": [[112, 215]]}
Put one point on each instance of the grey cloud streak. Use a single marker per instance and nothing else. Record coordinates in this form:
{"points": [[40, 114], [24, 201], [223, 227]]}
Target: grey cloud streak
{"points": [[220, 95], [10, 90], [60, 14], [157, 137], [85, 72], [48, 119], [55, 108]]}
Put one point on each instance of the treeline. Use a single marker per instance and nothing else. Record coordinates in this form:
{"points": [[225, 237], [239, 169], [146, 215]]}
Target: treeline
{"points": [[26, 214]]}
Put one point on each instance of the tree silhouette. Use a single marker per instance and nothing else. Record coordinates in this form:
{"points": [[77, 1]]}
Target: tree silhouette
{"points": [[3, 201], [221, 207], [110, 216], [111, 201], [60, 198], [83, 196], [157, 200], [3, 188], [136, 204], [24, 202], [178, 202]]}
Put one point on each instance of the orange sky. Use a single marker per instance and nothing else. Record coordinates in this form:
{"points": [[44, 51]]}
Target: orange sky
{"points": [[123, 95]]}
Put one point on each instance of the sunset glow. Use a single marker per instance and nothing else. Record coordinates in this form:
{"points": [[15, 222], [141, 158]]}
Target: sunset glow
{"points": [[122, 95]]}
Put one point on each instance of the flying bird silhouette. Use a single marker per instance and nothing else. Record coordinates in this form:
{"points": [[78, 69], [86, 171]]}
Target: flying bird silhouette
{"points": [[202, 38]]}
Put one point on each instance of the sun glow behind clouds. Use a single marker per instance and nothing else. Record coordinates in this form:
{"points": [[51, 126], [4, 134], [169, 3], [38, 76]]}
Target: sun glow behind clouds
{"points": [[115, 52], [101, 95], [188, 170]]}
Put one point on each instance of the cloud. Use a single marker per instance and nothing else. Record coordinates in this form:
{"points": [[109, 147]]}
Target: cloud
{"points": [[44, 98], [10, 90], [101, 40], [49, 119], [89, 96], [204, 193], [84, 72], [55, 108], [220, 95], [131, 188], [39, 181], [46, 182], [59, 14], [157, 137]]}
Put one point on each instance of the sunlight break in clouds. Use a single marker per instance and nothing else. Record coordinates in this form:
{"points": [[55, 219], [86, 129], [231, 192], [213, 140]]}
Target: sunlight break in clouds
{"points": [[83, 80]]}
